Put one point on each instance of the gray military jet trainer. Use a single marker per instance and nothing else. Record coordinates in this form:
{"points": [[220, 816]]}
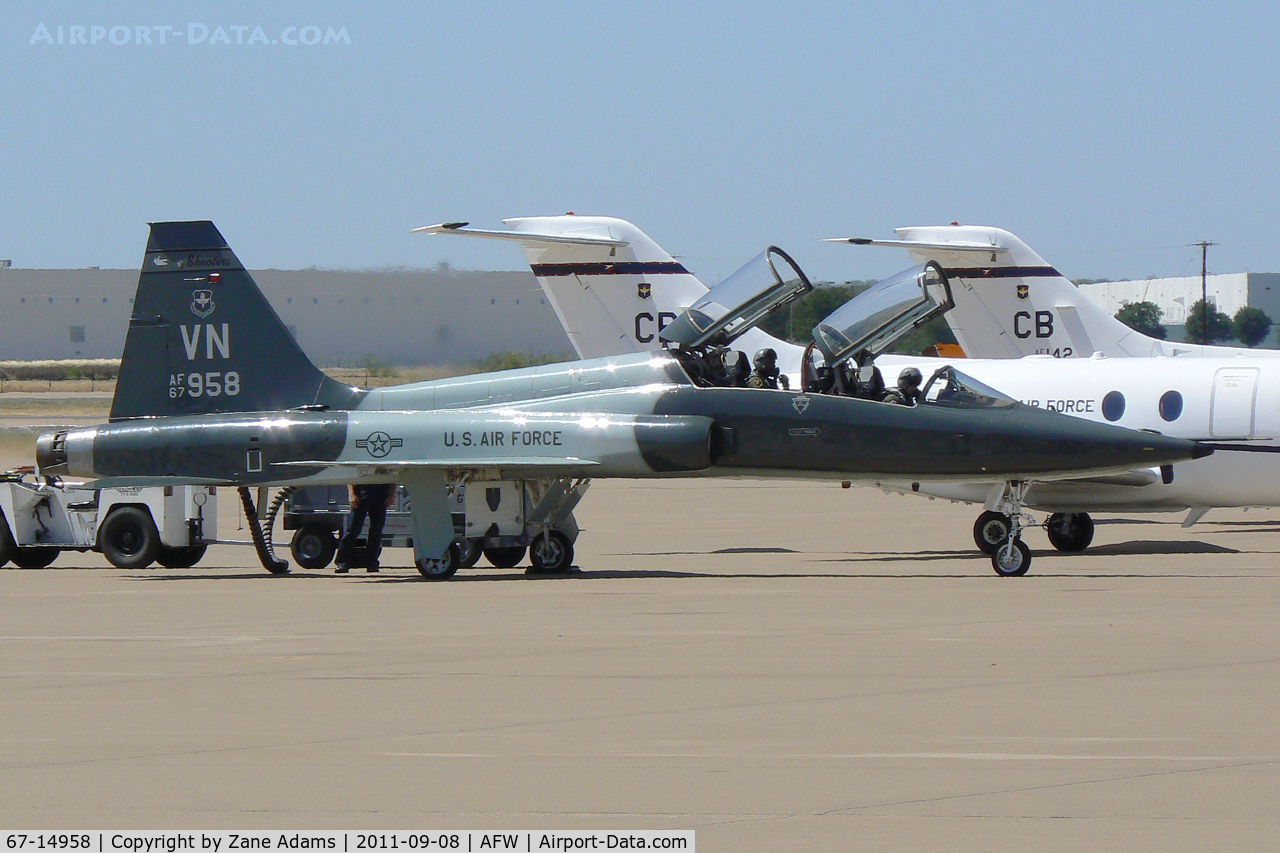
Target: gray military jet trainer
{"points": [[214, 390]]}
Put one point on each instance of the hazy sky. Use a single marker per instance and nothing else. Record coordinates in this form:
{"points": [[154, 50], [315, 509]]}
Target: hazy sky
{"points": [[1108, 136]]}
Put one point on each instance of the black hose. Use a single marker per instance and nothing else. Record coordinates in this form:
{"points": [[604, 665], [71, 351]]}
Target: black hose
{"points": [[269, 528], [270, 561]]}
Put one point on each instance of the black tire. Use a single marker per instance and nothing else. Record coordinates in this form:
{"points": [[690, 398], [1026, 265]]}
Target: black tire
{"points": [[990, 530], [551, 554], [1069, 531], [1016, 560], [439, 570], [7, 546], [35, 558], [505, 558], [181, 558], [313, 546], [128, 538], [472, 550]]}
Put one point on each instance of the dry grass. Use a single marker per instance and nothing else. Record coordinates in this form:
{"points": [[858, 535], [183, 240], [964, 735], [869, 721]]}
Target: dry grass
{"points": [[57, 386], [365, 378]]}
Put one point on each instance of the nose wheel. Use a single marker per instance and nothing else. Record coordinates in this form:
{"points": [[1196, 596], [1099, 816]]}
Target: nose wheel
{"points": [[1011, 559]]}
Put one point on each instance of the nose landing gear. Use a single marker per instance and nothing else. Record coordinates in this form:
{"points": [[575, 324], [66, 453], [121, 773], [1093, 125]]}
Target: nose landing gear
{"points": [[1010, 556]]}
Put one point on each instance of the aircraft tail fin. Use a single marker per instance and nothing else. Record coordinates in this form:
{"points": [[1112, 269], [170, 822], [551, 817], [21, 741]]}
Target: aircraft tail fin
{"points": [[202, 337], [1010, 302], [612, 287]]}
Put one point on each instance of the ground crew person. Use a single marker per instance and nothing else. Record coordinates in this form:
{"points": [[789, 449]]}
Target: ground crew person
{"points": [[372, 500]]}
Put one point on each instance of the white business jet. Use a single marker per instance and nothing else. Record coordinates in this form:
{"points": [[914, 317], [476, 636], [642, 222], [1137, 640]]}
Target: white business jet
{"points": [[614, 290], [1011, 303]]}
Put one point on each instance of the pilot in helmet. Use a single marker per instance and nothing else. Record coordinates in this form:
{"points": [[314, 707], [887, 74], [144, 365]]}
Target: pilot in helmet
{"points": [[909, 385], [765, 374]]}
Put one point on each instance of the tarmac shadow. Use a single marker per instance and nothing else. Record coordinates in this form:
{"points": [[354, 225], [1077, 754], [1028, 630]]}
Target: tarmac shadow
{"points": [[1142, 547]]}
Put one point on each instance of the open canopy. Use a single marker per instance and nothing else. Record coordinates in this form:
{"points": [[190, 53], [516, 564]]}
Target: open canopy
{"points": [[883, 313], [765, 283]]}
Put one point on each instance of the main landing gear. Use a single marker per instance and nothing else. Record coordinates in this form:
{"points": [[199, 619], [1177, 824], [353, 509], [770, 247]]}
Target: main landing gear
{"points": [[1069, 531]]}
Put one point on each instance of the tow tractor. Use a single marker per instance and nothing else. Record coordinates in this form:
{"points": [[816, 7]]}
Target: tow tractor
{"points": [[132, 526], [501, 520]]}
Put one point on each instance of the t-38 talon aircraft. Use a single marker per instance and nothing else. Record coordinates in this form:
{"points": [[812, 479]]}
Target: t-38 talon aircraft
{"points": [[603, 290], [214, 390]]}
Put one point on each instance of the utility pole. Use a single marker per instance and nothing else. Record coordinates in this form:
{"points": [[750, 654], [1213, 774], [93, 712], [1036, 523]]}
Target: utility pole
{"points": [[1204, 288]]}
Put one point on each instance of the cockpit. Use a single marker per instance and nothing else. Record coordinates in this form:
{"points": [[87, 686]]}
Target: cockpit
{"points": [[703, 335], [841, 358], [949, 387]]}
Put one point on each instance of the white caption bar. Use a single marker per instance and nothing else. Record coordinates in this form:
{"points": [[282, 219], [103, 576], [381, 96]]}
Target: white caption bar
{"points": [[470, 840]]}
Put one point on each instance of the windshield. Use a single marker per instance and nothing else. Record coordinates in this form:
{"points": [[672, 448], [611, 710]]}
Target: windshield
{"points": [[766, 282], [949, 387], [883, 313]]}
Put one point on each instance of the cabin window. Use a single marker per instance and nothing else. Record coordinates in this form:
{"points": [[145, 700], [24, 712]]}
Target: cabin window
{"points": [[1171, 405], [1113, 406]]}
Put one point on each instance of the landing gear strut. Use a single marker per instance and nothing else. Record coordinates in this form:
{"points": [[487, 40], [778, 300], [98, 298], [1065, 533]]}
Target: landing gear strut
{"points": [[1011, 557]]}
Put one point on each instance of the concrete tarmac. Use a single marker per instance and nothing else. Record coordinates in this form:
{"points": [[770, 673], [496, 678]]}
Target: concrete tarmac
{"points": [[776, 665]]}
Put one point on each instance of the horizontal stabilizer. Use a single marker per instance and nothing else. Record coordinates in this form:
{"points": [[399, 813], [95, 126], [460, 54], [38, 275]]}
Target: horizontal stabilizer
{"points": [[526, 237], [918, 244]]}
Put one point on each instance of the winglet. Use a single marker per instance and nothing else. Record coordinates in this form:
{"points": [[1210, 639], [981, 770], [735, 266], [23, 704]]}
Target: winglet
{"points": [[526, 237]]}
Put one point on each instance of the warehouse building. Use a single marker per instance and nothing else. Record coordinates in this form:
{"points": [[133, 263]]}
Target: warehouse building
{"points": [[1227, 292], [339, 317]]}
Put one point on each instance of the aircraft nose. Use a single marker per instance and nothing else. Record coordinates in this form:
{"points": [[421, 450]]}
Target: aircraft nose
{"points": [[1081, 444], [1166, 448]]}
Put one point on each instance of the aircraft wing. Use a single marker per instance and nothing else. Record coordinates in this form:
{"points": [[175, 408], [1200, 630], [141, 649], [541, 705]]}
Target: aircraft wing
{"points": [[526, 237], [520, 462], [1137, 479], [919, 244], [161, 480]]}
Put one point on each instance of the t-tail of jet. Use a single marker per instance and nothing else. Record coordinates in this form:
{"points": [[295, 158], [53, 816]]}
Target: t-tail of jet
{"points": [[613, 288], [1010, 302], [202, 337]]}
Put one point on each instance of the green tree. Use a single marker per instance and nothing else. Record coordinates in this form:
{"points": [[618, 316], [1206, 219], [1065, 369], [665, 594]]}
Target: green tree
{"points": [[795, 322], [1251, 326], [936, 331], [1219, 324], [1142, 317]]}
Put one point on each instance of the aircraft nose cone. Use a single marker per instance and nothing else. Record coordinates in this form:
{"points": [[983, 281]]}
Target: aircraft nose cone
{"points": [[1151, 449], [1070, 443], [1201, 451]]}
